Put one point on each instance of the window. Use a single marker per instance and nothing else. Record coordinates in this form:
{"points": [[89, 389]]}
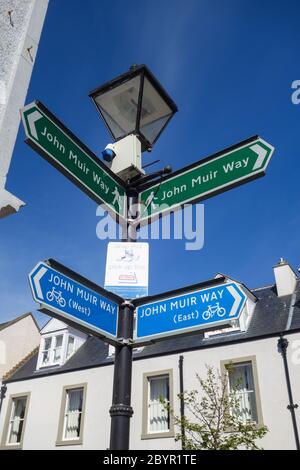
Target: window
{"points": [[158, 416], [72, 415], [156, 419], [57, 348], [243, 380], [73, 412], [15, 422], [52, 350]]}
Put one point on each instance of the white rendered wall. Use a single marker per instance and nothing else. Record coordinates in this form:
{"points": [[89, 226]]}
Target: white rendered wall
{"points": [[16, 342], [21, 23], [43, 416]]}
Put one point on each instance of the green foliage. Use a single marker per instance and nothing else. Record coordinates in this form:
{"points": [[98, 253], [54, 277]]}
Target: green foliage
{"points": [[213, 424]]}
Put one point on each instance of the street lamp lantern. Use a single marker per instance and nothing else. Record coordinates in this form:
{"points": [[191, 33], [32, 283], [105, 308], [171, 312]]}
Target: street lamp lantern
{"points": [[135, 103]]}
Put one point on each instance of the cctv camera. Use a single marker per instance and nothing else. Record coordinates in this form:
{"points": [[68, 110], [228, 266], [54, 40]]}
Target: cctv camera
{"points": [[298, 269], [109, 153]]}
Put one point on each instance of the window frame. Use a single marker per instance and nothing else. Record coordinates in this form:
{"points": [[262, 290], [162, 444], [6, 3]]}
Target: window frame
{"points": [[4, 441], [44, 350], [225, 364], [145, 412], [60, 441], [51, 352]]}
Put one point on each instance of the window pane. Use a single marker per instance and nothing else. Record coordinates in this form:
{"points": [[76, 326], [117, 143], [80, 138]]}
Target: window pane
{"points": [[58, 349], [57, 355], [158, 417], [46, 358], [71, 346], [73, 413], [155, 112], [46, 351], [241, 381], [47, 344], [17, 420], [58, 341]]}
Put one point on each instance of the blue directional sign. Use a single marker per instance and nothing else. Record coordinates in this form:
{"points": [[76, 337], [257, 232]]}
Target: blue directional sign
{"points": [[197, 310], [74, 301]]}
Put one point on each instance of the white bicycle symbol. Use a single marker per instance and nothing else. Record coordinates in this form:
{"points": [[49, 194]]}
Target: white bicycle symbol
{"points": [[213, 310], [57, 296]]}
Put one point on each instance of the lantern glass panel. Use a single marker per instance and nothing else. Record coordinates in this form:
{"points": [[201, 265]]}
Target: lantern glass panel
{"points": [[155, 112], [119, 107]]}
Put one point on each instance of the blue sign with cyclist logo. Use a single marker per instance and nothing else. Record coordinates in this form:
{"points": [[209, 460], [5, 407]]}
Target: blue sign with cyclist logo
{"points": [[197, 310], [74, 301]]}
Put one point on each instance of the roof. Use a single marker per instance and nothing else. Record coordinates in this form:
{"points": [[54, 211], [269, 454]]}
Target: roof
{"points": [[16, 320], [271, 316]]}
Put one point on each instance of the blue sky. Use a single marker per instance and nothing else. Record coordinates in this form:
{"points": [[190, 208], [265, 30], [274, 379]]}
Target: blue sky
{"points": [[229, 66]]}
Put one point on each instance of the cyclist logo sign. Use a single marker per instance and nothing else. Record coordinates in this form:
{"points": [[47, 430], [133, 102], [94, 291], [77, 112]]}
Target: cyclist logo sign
{"points": [[213, 310], [53, 295], [192, 311], [66, 298]]}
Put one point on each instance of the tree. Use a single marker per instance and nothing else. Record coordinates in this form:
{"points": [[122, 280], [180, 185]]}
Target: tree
{"points": [[215, 423]]}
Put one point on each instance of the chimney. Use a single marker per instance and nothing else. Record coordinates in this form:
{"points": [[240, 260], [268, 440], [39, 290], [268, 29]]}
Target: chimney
{"points": [[285, 278]]}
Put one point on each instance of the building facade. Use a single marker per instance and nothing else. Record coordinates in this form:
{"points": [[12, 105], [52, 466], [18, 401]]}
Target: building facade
{"points": [[18, 338], [21, 23], [60, 398]]}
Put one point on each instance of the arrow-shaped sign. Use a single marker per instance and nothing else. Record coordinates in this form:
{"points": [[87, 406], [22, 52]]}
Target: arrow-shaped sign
{"points": [[190, 311], [51, 139], [206, 178], [261, 153], [32, 119], [238, 300], [75, 300]]}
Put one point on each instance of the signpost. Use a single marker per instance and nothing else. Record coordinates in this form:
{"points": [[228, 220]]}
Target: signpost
{"points": [[65, 294], [189, 311], [51, 139], [206, 178], [76, 300]]}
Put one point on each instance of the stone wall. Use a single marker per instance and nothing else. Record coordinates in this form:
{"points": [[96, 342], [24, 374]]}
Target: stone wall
{"points": [[21, 23]]}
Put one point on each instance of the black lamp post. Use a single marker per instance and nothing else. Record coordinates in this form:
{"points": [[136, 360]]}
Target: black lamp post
{"points": [[136, 109], [135, 103]]}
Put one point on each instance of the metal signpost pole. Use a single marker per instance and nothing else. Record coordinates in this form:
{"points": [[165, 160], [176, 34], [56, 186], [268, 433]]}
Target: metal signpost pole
{"points": [[121, 410]]}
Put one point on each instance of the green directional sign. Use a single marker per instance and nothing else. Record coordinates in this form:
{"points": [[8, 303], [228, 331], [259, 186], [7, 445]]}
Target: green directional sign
{"points": [[62, 149], [215, 174]]}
